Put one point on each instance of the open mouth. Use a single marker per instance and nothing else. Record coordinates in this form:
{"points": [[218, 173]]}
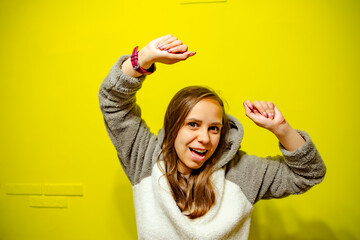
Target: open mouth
{"points": [[198, 151]]}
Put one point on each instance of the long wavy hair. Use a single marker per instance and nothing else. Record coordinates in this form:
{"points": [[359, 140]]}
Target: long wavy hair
{"points": [[193, 194]]}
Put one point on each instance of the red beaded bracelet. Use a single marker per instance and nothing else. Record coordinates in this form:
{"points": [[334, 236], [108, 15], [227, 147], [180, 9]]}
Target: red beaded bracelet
{"points": [[136, 66]]}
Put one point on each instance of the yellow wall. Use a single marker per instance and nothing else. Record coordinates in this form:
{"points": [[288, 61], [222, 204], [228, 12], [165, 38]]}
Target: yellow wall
{"points": [[59, 174]]}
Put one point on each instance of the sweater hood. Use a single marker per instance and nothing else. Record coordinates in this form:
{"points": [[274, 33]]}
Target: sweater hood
{"points": [[233, 141]]}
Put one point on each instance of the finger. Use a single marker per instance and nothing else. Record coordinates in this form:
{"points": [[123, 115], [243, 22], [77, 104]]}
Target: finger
{"points": [[163, 38], [187, 53], [248, 112], [258, 106], [173, 44], [254, 115], [278, 113], [169, 40], [266, 111], [247, 108], [271, 109], [181, 56], [166, 37], [178, 49], [192, 54], [249, 105]]}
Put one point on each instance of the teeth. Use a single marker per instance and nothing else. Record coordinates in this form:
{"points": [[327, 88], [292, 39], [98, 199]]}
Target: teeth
{"points": [[202, 152]]}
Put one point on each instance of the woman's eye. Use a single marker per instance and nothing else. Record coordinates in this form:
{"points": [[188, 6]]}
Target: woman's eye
{"points": [[214, 128], [192, 124]]}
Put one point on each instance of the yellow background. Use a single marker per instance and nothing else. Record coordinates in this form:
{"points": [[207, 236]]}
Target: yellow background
{"points": [[303, 55]]}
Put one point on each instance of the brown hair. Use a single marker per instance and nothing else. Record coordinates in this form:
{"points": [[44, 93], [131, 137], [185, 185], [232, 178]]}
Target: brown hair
{"points": [[195, 194]]}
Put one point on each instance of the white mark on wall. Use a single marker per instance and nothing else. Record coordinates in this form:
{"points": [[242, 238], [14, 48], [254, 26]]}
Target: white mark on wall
{"points": [[46, 195], [201, 1]]}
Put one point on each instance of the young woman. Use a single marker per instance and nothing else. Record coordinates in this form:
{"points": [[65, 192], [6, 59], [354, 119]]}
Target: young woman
{"points": [[192, 181]]}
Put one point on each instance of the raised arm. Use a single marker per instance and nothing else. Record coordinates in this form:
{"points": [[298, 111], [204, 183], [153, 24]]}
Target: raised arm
{"points": [[298, 169], [167, 49], [122, 116], [268, 116]]}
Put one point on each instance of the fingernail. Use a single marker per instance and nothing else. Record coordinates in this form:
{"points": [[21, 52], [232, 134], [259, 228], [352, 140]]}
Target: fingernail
{"points": [[265, 114], [251, 107], [169, 50]]}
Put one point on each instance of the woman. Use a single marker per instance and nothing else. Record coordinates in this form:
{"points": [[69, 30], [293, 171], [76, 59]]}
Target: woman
{"points": [[191, 181]]}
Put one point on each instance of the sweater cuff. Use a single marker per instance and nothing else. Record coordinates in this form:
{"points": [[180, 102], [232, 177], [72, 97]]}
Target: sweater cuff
{"points": [[303, 154], [123, 82]]}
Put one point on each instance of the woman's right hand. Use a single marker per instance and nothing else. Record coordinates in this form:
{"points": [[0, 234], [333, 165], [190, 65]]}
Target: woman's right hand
{"points": [[167, 49]]}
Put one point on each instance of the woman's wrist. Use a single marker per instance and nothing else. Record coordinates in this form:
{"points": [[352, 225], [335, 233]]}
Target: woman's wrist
{"points": [[145, 59], [128, 69], [282, 130], [289, 137]]}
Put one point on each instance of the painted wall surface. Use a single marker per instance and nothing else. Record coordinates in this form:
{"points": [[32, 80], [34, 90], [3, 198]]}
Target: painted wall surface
{"points": [[59, 173]]}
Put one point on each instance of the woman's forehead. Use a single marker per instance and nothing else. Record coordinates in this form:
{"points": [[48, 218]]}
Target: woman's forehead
{"points": [[206, 109]]}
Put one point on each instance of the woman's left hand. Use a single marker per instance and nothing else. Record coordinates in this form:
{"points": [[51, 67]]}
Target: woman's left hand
{"points": [[265, 115], [268, 116]]}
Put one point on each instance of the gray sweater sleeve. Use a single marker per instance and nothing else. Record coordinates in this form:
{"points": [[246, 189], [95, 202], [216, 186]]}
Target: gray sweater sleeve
{"points": [[276, 177], [129, 134]]}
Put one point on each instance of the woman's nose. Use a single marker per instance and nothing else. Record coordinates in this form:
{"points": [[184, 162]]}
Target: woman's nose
{"points": [[204, 136]]}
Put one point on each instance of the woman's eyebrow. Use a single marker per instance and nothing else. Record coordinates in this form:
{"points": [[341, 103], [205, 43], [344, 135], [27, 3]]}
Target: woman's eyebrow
{"points": [[197, 120]]}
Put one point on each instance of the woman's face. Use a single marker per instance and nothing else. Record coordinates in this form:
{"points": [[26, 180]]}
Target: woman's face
{"points": [[199, 136]]}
